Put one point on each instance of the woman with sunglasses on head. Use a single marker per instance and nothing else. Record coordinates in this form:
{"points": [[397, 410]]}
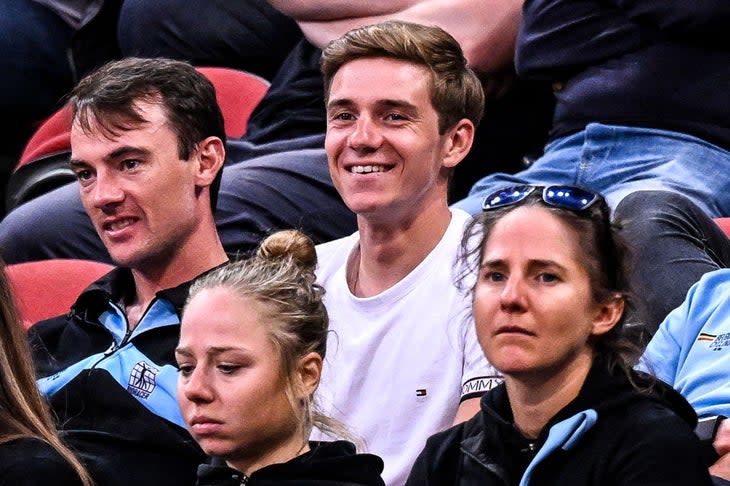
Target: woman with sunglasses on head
{"points": [[549, 306], [31, 452], [252, 341]]}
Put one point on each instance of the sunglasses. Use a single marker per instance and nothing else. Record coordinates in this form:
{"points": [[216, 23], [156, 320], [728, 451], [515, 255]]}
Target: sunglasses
{"points": [[565, 197]]}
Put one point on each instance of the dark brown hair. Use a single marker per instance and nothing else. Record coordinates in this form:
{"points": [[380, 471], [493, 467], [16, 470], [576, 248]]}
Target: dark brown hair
{"points": [[109, 97], [456, 92]]}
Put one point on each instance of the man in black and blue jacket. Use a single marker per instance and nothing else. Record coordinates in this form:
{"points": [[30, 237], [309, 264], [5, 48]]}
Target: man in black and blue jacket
{"points": [[147, 144]]}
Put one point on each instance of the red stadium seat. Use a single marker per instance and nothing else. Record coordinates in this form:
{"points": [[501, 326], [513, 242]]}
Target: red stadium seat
{"points": [[48, 288], [43, 163], [724, 224], [238, 94]]}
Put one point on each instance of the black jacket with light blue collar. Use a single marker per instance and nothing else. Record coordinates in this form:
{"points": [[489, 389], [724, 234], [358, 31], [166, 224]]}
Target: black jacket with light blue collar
{"points": [[610, 434], [113, 391]]}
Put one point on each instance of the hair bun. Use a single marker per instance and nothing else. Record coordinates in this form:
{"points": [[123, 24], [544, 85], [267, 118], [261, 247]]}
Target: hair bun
{"points": [[289, 244]]}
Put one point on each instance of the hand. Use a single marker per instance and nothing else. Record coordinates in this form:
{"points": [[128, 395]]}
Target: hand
{"points": [[722, 438], [721, 467]]}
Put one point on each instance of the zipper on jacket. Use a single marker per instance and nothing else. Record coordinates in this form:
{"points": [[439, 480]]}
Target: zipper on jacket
{"points": [[127, 335], [114, 347]]}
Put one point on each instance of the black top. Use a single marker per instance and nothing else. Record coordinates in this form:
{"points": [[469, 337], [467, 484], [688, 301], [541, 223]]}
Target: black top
{"points": [[32, 462], [330, 463], [610, 434], [632, 62]]}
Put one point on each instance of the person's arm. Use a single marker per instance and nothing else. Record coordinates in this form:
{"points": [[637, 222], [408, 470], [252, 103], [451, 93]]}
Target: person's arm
{"points": [[722, 439], [329, 10], [662, 354], [467, 409], [691, 327], [486, 29], [670, 345], [720, 470], [478, 375]]}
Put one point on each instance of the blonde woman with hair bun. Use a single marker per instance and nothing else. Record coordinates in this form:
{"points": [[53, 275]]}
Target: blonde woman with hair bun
{"points": [[252, 341]]}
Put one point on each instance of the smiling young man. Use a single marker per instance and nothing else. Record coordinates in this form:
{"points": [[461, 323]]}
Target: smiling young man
{"points": [[147, 146], [403, 361]]}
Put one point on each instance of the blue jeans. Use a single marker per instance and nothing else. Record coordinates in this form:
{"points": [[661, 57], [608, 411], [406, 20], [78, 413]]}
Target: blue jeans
{"points": [[616, 161]]}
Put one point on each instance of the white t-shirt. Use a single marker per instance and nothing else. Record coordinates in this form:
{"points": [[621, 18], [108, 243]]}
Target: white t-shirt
{"points": [[399, 363]]}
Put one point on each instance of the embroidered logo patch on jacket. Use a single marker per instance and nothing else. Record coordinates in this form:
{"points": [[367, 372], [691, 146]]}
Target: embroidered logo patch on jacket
{"points": [[142, 380]]}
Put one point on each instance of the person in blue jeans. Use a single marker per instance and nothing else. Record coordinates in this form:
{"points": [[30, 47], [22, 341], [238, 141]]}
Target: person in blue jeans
{"points": [[285, 182], [640, 89], [49, 45]]}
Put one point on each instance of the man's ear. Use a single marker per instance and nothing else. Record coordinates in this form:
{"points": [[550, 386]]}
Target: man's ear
{"points": [[459, 140], [211, 155], [608, 314], [309, 371]]}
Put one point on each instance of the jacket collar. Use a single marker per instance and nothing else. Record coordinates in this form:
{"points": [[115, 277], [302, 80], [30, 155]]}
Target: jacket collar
{"points": [[118, 286], [601, 391], [327, 462]]}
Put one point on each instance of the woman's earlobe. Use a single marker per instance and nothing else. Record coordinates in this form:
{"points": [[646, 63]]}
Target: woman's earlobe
{"points": [[609, 314]]}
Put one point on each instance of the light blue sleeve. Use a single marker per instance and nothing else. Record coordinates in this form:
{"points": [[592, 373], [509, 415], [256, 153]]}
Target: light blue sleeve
{"points": [[703, 316], [661, 356]]}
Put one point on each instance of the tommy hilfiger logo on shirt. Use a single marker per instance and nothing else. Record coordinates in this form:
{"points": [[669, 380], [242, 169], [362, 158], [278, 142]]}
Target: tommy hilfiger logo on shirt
{"points": [[480, 385]]}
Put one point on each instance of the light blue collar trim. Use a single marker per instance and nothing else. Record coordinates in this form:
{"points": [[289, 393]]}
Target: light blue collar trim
{"points": [[160, 313], [564, 435]]}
